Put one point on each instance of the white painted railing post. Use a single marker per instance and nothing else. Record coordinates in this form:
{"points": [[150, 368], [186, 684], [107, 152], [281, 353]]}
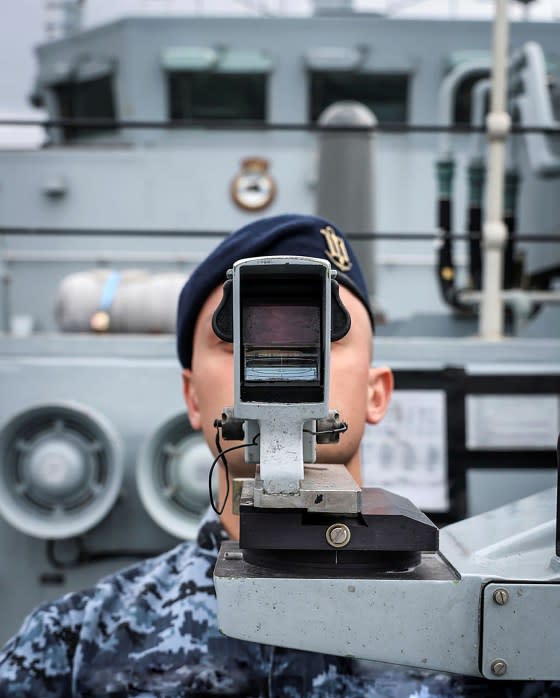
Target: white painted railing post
{"points": [[498, 125]]}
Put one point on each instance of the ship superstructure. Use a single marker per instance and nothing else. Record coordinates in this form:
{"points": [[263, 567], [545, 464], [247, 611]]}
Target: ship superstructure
{"points": [[166, 133]]}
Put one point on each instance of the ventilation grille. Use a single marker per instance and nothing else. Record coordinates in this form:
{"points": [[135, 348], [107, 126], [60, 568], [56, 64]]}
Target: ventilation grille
{"points": [[61, 470], [172, 476]]}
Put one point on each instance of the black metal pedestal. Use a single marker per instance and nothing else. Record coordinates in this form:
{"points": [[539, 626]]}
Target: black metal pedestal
{"points": [[388, 535]]}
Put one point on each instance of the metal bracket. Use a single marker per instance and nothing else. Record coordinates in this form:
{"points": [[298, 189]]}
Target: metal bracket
{"points": [[325, 488]]}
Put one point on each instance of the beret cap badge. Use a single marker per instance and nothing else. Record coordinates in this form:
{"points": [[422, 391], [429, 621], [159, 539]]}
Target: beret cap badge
{"points": [[287, 234], [336, 249]]}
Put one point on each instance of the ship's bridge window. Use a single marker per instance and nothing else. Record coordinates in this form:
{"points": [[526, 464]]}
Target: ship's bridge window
{"points": [[83, 89], [385, 94], [216, 84], [85, 99]]}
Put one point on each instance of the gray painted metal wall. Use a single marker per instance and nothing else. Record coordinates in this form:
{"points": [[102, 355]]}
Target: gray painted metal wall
{"points": [[180, 179], [137, 392], [135, 383], [155, 180]]}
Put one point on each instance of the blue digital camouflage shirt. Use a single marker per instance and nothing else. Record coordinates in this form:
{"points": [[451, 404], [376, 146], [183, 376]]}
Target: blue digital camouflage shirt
{"points": [[151, 630]]}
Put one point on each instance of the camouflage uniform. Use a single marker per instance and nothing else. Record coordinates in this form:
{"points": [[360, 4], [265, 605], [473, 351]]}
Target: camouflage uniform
{"points": [[150, 630]]}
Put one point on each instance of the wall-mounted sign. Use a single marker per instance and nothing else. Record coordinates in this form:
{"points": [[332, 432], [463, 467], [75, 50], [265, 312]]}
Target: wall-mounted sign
{"points": [[512, 422], [407, 452], [253, 189]]}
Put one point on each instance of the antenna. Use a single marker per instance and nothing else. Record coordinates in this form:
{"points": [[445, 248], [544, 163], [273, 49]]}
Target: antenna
{"points": [[63, 18]]}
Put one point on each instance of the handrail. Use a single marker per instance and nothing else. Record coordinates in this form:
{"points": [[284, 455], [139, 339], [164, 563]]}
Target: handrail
{"points": [[388, 127], [420, 236]]}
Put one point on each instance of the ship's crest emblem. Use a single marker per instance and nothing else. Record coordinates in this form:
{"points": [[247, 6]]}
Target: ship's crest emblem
{"points": [[336, 249]]}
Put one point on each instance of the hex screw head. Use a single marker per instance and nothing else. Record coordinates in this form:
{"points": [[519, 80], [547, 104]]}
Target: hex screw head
{"points": [[501, 596], [498, 667], [338, 535]]}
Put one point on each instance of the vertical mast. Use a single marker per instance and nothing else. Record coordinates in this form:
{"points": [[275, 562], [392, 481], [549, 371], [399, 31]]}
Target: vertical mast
{"points": [[64, 18], [498, 125]]}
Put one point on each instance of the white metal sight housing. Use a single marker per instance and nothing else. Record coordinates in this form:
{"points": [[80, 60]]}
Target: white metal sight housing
{"points": [[281, 333], [280, 314]]}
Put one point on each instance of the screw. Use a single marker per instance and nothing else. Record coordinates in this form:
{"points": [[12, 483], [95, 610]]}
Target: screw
{"points": [[338, 535], [233, 555], [501, 596], [498, 667]]}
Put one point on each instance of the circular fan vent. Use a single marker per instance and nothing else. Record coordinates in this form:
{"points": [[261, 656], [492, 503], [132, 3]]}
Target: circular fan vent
{"points": [[61, 471], [172, 477]]}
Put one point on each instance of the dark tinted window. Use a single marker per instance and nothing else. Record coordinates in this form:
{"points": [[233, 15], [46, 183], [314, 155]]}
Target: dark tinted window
{"points": [[217, 96], [385, 95], [463, 95], [90, 99]]}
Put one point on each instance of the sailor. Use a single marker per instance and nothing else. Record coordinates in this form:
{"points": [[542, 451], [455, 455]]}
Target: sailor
{"points": [[151, 630]]}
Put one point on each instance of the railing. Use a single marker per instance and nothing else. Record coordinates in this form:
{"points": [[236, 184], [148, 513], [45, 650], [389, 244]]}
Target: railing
{"points": [[149, 124], [422, 236]]}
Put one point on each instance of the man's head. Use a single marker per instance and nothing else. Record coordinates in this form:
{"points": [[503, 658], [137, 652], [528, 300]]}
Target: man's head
{"points": [[359, 392]]}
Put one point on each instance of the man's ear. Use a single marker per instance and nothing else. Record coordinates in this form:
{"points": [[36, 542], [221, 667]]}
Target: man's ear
{"points": [[380, 389], [191, 400]]}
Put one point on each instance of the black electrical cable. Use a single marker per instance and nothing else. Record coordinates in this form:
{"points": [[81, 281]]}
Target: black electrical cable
{"points": [[222, 452], [221, 456]]}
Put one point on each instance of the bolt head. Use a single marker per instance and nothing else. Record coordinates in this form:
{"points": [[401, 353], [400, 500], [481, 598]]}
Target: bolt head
{"points": [[498, 667], [338, 535], [501, 596]]}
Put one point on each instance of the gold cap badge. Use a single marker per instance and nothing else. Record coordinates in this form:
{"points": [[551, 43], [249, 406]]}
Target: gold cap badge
{"points": [[336, 249]]}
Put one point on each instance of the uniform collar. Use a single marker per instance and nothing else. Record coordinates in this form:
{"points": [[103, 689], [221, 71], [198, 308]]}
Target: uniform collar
{"points": [[211, 533]]}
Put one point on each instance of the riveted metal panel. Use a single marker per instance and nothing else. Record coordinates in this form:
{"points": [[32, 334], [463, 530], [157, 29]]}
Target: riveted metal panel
{"points": [[521, 628]]}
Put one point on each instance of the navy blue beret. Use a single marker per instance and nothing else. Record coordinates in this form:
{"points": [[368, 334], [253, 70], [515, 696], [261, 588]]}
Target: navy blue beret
{"points": [[309, 236]]}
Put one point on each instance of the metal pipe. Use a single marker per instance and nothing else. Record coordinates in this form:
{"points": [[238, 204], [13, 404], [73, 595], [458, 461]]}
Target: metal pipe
{"points": [[498, 123], [513, 295], [476, 177], [86, 256], [445, 167], [476, 182], [346, 184], [445, 170], [479, 94], [94, 257], [446, 100], [532, 99], [510, 220]]}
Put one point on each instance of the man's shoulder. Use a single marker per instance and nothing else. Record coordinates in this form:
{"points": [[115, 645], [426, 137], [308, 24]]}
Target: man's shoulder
{"points": [[157, 608], [144, 599], [158, 575], [69, 612], [159, 584]]}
